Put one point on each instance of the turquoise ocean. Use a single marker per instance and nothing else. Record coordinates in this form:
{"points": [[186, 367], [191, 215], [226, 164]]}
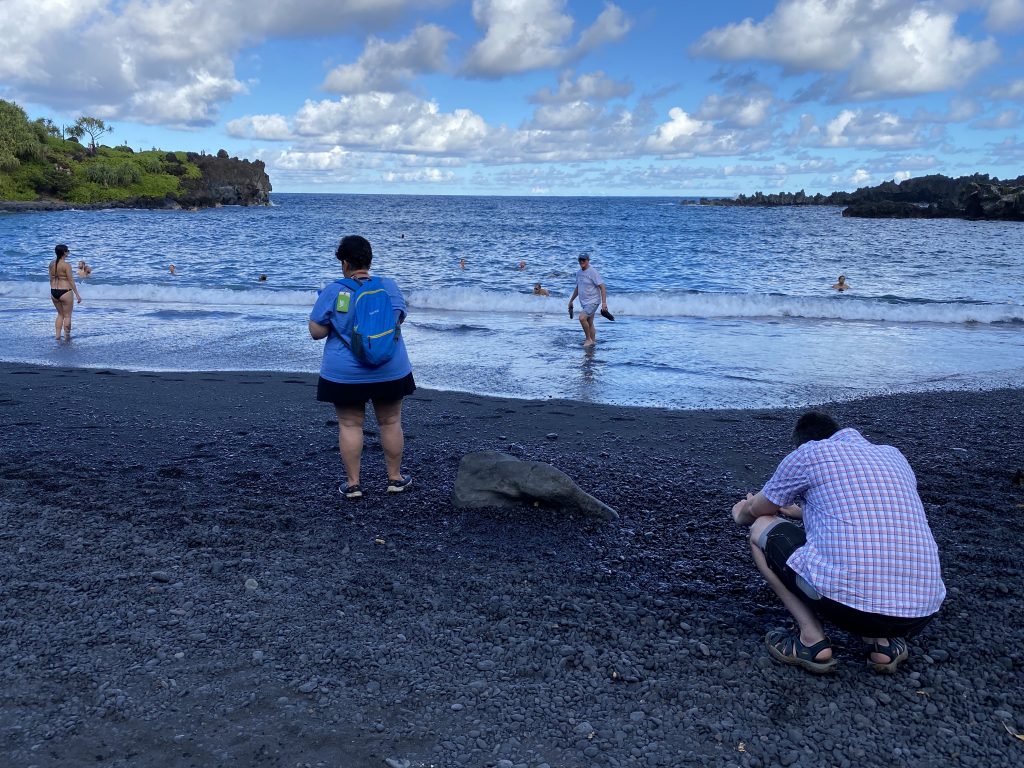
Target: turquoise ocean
{"points": [[714, 306]]}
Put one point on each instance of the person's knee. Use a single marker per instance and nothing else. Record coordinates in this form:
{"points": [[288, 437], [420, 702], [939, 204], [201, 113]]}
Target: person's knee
{"points": [[389, 416], [350, 419], [758, 527]]}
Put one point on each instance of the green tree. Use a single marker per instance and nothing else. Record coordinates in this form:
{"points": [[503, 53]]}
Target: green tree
{"points": [[94, 127], [51, 128], [19, 139]]}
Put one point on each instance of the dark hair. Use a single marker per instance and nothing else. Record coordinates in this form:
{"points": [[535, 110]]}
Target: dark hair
{"points": [[814, 425], [356, 250], [61, 251]]}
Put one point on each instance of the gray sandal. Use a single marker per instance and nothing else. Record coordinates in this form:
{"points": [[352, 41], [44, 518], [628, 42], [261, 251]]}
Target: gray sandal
{"points": [[896, 651], [788, 649]]}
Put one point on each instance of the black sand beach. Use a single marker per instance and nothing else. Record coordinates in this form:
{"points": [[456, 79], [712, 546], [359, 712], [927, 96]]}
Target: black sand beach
{"points": [[397, 631]]}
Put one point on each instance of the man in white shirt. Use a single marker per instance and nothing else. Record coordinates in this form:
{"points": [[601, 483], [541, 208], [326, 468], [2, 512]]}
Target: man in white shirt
{"points": [[590, 288]]}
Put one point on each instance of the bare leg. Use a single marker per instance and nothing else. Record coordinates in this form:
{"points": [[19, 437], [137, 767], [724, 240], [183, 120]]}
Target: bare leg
{"points": [[59, 322], [350, 439], [392, 439], [68, 300], [811, 631], [587, 321]]}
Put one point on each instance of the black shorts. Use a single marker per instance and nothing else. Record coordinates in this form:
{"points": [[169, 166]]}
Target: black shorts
{"points": [[782, 541], [357, 394]]}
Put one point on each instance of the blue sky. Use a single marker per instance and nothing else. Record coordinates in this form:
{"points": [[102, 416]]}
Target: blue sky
{"points": [[539, 97]]}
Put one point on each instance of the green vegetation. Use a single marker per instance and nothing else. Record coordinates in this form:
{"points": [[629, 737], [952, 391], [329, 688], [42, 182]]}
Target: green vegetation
{"points": [[38, 162]]}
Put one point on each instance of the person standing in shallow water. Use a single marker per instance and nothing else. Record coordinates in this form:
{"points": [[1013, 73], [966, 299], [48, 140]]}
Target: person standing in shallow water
{"points": [[590, 288], [864, 560], [62, 286], [348, 383]]}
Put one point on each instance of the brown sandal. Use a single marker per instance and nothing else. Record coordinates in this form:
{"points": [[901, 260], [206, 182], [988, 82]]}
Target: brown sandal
{"points": [[788, 649]]}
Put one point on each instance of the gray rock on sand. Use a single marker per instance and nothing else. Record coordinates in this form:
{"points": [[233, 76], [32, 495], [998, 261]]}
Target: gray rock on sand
{"points": [[493, 479]]}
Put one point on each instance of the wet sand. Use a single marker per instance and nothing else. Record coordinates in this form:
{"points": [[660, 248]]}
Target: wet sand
{"points": [[134, 507]]}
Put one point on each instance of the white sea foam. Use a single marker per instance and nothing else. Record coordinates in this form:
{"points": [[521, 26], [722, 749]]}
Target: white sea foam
{"points": [[169, 294], [729, 305], [651, 305]]}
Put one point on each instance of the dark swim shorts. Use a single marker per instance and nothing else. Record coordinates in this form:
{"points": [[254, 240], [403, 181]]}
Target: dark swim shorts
{"points": [[785, 538], [358, 394]]}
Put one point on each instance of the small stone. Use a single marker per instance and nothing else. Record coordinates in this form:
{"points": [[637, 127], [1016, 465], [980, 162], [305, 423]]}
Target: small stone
{"points": [[257, 655], [485, 665], [456, 707], [584, 728], [1002, 714], [251, 585], [307, 687], [394, 762], [162, 576], [704, 649], [790, 757], [939, 654], [636, 716]]}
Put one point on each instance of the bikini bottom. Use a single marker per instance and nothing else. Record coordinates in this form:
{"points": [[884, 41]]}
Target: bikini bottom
{"points": [[58, 292]]}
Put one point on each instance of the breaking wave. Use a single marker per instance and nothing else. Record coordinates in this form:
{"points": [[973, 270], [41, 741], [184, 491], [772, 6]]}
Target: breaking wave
{"points": [[667, 304]]}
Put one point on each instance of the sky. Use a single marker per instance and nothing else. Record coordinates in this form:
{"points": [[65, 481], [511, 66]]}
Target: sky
{"points": [[539, 97]]}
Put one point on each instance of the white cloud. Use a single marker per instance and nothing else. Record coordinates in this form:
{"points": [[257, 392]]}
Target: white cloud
{"points": [[1008, 118], [1005, 14], [427, 175], [1014, 90], [679, 135], [590, 87], [742, 110], [575, 115], [156, 61], [388, 122], [265, 127], [524, 35], [389, 66], [888, 47], [610, 27], [922, 55], [859, 178], [864, 128]]}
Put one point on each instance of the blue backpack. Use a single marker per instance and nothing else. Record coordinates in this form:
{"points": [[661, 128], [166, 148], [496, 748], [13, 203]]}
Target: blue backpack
{"points": [[369, 318]]}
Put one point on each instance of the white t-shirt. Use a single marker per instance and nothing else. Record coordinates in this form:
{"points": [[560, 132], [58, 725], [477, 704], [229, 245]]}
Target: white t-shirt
{"points": [[587, 281]]}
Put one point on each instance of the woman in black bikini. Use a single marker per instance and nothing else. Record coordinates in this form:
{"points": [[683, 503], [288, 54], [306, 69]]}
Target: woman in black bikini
{"points": [[62, 285]]}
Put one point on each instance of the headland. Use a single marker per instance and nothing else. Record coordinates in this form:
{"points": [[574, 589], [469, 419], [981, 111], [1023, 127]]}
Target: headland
{"points": [[47, 168], [927, 197]]}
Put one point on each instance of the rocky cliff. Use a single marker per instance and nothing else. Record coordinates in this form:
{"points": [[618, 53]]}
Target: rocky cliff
{"points": [[928, 197], [165, 180]]}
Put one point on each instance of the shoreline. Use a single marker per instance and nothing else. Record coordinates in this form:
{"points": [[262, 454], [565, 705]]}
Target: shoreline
{"points": [[134, 507]]}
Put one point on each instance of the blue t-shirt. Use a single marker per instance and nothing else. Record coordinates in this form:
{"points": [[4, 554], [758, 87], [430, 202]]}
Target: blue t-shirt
{"points": [[339, 364]]}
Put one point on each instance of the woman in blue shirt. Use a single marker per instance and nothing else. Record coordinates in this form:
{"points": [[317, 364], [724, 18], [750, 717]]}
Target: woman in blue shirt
{"points": [[348, 383]]}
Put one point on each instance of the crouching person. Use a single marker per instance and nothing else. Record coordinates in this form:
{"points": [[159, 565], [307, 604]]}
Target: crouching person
{"points": [[864, 559]]}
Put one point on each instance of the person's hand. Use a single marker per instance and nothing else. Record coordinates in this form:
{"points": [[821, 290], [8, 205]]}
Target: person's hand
{"points": [[79, 299], [740, 513]]}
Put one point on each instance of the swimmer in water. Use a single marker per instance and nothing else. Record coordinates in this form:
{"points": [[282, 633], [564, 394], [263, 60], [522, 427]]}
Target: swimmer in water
{"points": [[841, 284]]}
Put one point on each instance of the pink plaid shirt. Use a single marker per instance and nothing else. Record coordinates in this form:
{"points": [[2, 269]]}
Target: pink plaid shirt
{"points": [[868, 541]]}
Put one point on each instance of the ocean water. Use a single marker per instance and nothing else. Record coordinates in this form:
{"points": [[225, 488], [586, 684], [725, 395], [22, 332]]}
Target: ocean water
{"points": [[714, 306]]}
